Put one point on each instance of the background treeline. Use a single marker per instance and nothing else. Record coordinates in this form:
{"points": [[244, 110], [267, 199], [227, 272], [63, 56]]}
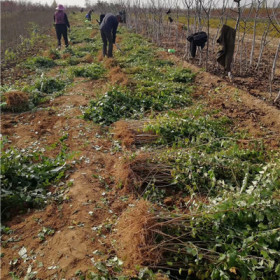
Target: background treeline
{"points": [[21, 24], [18, 19]]}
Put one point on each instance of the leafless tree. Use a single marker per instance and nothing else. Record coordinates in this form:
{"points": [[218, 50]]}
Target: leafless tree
{"points": [[188, 4], [241, 47], [273, 15], [256, 6], [263, 43], [207, 7]]}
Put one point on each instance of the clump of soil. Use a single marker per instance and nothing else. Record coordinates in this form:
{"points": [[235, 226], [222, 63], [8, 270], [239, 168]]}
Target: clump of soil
{"points": [[16, 101], [135, 236]]}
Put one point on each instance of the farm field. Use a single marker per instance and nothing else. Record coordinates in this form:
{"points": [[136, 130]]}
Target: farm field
{"points": [[143, 166], [254, 79]]}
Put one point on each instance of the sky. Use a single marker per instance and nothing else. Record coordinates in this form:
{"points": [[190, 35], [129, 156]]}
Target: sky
{"points": [[66, 3], [81, 3]]}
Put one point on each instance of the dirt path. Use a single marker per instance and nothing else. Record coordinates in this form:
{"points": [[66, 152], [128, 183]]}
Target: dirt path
{"points": [[89, 201]]}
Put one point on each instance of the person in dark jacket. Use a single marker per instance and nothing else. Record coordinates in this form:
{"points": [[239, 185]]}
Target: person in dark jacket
{"points": [[108, 30], [123, 16], [100, 18], [198, 39], [61, 24], [227, 41]]}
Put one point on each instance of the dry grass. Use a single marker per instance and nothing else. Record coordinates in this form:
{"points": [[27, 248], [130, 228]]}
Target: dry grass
{"points": [[135, 241], [118, 39], [136, 174], [66, 55], [94, 32], [87, 58], [160, 276], [100, 56], [49, 54], [131, 133], [110, 62], [16, 100], [124, 176], [141, 237], [117, 77]]}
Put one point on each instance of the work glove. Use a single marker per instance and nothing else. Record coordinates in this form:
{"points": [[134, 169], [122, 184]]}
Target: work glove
{"points": [[69, 30]]}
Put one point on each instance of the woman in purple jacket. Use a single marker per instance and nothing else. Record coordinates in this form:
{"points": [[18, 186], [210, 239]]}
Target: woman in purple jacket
{"points": [[61, 24]]}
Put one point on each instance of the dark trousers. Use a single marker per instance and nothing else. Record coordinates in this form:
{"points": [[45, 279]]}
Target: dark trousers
{"points": [[107, 37], [61, 30]]}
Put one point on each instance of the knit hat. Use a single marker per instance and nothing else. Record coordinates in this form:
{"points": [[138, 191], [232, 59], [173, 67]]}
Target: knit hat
{"points": [[60, 7]]}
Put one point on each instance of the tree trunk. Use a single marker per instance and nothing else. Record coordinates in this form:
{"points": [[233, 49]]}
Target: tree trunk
{"points": [[254, 35]]}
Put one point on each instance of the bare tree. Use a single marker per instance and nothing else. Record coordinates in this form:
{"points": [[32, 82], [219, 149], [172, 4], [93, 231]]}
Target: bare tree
{"points": [[273, 15], [206, 7], [257, 9], [241, 43], [264, 42], [189, 5]]}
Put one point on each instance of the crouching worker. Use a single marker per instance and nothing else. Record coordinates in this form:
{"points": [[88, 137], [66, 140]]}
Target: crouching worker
{"points": [[61, 24], [108, 30], [88, 15]]}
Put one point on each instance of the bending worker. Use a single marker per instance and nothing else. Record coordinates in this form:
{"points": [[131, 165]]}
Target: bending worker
{"points": [[108, 30]]}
